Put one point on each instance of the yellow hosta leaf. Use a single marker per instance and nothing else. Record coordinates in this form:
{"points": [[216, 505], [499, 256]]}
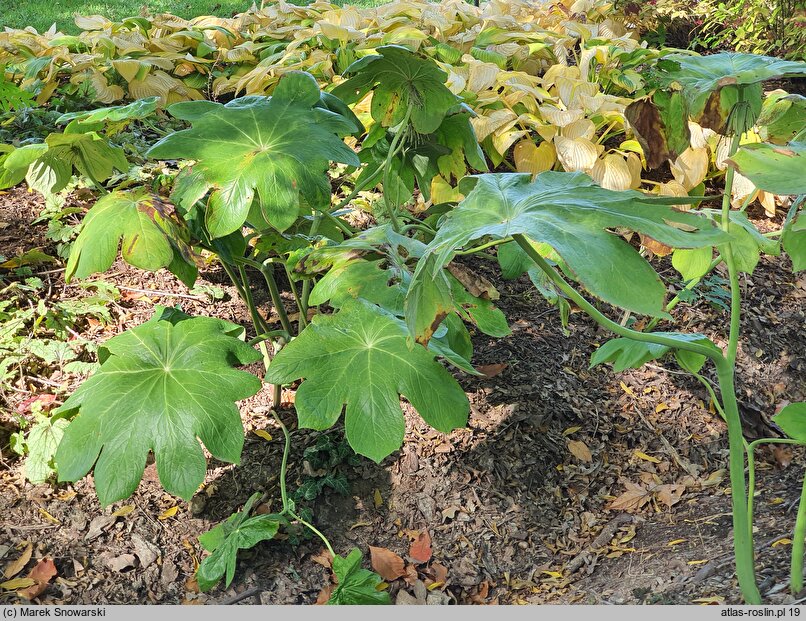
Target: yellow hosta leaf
{"points": [[503, 139], [767, 200], [262, 433], [559, 71], [92, 22], [612, 173], [546, 132], [103, 92], [558, 117], [583, 128], [127, 68], [742, 188], [486, 124], [570, 91], [636, 168], [533, 159], [690, 167], [576, 154], [674, 188], [481, 75]]}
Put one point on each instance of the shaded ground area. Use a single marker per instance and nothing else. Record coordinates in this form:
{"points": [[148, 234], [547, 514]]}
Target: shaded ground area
{"points": [[569, 485]]}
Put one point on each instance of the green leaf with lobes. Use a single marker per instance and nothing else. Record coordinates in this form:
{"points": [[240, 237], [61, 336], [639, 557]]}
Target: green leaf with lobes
{"points": [[660, 125], [238, 532], [152, 393], [357, 586], [360, 357], [569, 212], [773, 168], [138, 109], [792, 419], [400, 80], [794, 241], [273, 150], [152, 233]]}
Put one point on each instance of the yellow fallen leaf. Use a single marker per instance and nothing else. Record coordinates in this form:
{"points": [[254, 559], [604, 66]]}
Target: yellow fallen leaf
{"points": [[705, 601], [65, 496], [552, 574], [124, 510], [776, 501], [627, 389], [168, 513], [675, 542], [660, 407], [262, 433], [359, 524], [700, 562], [17, 583], [17, 565], [782, 542], [377, 499], [645, 457], [571, 430], [48, 517]]}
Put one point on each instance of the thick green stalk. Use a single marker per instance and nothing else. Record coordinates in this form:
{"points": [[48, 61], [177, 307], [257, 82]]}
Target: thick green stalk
{"points": [[394, 149], [796, 573], [601, 319]]}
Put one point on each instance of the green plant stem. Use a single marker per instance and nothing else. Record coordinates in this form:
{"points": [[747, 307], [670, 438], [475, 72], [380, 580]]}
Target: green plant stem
{"points": [[689, 286], [482, 247], [287, 508], [601, 319], [307, 285], [267, 336], [293, 287], [394, 148], [796, 573], [257, 320], [267, 269], [742, 537]]}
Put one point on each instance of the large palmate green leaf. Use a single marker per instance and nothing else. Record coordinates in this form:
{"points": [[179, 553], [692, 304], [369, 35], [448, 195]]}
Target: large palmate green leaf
{"points": [[792, 419], [360, 357], [153, 234], [400, 81], [270, 150], [138, 109], [238, 532], [713, 84], [357, 586], [572, 214], [660, 125], [776, 169], [161, 386]]}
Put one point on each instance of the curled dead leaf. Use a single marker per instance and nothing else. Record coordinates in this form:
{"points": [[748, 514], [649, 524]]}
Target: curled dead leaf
{"points": [[386, 563]]}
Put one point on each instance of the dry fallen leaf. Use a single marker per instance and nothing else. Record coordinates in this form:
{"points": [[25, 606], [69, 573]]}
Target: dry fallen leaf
{"points": [[16, 566], [580, 450], [476, 284], [41, 574], [324, 595], [17, 583], [323, 558], [670, 494], [420, 549], [168, 513], [491, 370], [386, 563], [634, 498]]}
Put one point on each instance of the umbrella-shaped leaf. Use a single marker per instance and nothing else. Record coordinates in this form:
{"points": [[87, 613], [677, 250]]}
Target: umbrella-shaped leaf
{"points": [[792, 419], [273, 150], [713, 84], [360, 357], [573, 215], [399, 80], [356, 586], [153, 235], [152, 393], [627, 353]]}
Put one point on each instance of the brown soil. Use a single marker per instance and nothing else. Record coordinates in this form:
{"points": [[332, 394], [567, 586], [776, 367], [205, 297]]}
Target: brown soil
{"points": [[510, 510]]}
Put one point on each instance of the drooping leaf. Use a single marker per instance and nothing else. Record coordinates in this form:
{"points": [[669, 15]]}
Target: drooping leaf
{"points": [[359, 357], [273, 150], [692, 263], [660, 125], [794, 241], [792, 419], [783, 117], [569, 212], [776, 169], [357, 586], [42, 441], [238, 532], [14, 162], [714, 83], [400, 80], [626, 353], [152, 232], [152, 393], [138, 109]]}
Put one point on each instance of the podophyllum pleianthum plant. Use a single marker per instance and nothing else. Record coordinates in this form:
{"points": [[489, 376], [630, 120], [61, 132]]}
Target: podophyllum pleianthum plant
{"points": [[255, 191]]}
